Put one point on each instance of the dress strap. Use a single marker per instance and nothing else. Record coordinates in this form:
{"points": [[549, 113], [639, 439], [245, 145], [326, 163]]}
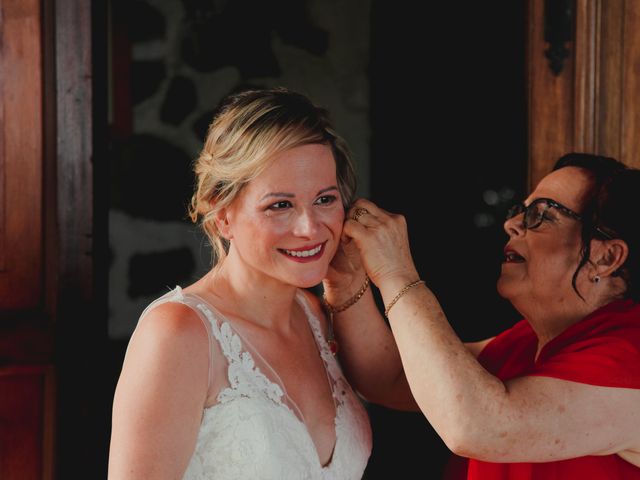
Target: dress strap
{"points": [[178, 296], [245, 378], [314, 323], [323, 346]]}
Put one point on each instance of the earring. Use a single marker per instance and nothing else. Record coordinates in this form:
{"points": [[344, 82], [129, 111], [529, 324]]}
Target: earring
{"points": [[596, 279]]}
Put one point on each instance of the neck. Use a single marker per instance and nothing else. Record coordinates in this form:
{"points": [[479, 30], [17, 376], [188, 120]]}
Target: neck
{"points": [[550, 318], [251, 295]]}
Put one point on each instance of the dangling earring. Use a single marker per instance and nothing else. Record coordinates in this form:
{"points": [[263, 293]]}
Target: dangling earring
{"points": [[596, 279]]}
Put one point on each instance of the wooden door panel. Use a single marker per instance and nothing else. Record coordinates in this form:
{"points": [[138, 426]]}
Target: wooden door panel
{"points": [[26, 422], [20, 154], [593, 104], [629, 138]]}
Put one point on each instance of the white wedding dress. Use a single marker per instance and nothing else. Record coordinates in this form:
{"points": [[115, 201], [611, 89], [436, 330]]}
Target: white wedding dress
{"points": [[254, 430]]}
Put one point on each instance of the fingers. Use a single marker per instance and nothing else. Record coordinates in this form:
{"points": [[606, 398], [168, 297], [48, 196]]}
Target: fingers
{"points": [[362, 206], [368, 220], [365, 215], [380, 236], [358, 212], [369, 206]]}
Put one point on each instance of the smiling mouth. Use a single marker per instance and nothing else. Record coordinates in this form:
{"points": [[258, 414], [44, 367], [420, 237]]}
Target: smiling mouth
{"points": [[303, 253]]}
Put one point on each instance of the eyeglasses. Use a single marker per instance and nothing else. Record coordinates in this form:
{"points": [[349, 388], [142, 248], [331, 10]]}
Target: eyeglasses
{"points": [[535, 214]]}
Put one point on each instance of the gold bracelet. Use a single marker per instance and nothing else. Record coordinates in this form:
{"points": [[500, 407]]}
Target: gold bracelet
{"points": [[358, 295], [400, 294]]}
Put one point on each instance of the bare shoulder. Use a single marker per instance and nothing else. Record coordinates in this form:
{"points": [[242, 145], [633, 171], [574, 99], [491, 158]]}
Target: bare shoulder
{"points": [[168, 356], [172, 320], [170, 334], [160, 395]]}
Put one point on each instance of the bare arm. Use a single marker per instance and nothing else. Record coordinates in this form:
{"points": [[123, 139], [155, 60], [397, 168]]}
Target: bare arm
{"points": [[531, 419], [368, 352], [528, 419], [160, 396], [370, 358]]}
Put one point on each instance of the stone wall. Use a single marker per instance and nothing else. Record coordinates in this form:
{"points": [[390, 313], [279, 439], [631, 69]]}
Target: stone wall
{"points": [[171, 63]]}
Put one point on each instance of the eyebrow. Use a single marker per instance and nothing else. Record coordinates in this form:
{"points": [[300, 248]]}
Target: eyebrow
{"points": [[291, 195]]}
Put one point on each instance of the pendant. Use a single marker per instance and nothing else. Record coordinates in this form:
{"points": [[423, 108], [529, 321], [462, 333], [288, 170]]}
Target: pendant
{"points": [[333, 346]]}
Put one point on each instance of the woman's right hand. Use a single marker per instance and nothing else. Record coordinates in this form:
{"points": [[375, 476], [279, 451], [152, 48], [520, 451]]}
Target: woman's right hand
{"points": [[383, 242]]}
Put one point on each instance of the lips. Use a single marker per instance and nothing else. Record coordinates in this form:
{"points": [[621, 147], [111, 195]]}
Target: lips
{"points": [[304, 253], [512, 256]]}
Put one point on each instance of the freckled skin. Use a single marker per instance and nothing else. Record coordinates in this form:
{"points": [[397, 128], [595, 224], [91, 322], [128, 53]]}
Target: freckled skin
{"points": [[262, 223], [523, 419]]}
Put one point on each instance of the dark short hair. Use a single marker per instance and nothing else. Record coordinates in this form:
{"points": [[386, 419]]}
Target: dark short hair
{"points": [[609, 207]]}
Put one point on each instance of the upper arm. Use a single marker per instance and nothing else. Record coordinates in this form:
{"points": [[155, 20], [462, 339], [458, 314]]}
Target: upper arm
{"points": [[160, 395], [541, 419], [396, 393]]}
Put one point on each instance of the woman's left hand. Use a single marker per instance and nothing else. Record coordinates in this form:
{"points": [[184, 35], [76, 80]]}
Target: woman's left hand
{"points": [[346, 273], [383, 242]]}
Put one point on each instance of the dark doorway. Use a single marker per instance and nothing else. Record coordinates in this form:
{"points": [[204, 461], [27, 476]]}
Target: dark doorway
{"points": [[449, 151]]}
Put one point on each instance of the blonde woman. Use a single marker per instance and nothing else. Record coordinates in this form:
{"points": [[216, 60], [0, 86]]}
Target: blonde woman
{"points": [[233, 377]]}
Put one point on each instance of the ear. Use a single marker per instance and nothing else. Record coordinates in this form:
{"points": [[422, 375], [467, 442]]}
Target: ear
{"points": [[608, 255], [222, 223]]}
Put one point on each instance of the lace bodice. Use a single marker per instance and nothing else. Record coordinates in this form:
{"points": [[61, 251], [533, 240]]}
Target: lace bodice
{"points": [[254, 430]]}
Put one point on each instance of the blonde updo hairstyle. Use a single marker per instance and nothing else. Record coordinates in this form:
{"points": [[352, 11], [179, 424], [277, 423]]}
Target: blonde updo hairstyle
{"points": [[249, 129]]}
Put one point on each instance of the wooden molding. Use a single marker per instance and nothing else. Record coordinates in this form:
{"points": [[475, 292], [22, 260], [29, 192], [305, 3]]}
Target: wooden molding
{"points": [[609, 100], [20, 154], [630, 118], [586, 46], [74, 148], [550, 100], [594, 104]]}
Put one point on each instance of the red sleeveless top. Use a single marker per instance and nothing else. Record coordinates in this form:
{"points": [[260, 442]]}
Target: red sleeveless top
{"points": [[602, 349]]}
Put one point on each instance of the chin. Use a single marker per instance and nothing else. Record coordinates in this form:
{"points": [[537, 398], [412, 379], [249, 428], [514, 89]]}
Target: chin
{"points": [[306, 285], [519, 297], [309, 281], [505, 288]]}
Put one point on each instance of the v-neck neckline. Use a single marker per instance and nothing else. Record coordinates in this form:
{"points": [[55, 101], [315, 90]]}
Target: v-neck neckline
{"points": [[280, 383]]}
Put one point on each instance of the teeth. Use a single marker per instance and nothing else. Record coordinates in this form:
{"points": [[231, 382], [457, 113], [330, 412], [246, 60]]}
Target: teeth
{"points": [[303, 253]]}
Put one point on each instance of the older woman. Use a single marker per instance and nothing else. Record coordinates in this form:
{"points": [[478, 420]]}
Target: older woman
{"points": [[555, 396]]}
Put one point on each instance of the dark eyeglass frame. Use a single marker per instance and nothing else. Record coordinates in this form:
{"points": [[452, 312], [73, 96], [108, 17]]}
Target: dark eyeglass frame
{"points": [[519, 208]]}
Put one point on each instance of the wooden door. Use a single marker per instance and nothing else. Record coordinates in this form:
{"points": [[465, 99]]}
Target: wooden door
{"points": [[52, 411], [591, 103], [26, 372]]}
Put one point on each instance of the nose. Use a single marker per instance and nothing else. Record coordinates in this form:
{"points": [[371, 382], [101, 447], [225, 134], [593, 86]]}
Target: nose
{"points": [[514, 226], [306, 224]]}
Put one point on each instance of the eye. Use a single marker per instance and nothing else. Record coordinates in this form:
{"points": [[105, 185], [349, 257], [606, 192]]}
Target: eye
{"points": [[326, 200], [544, 214], [547, 217], [281, 205]]}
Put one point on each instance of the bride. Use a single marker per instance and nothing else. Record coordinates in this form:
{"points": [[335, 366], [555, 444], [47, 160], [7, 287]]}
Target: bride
{"points": [[233, 377]]}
